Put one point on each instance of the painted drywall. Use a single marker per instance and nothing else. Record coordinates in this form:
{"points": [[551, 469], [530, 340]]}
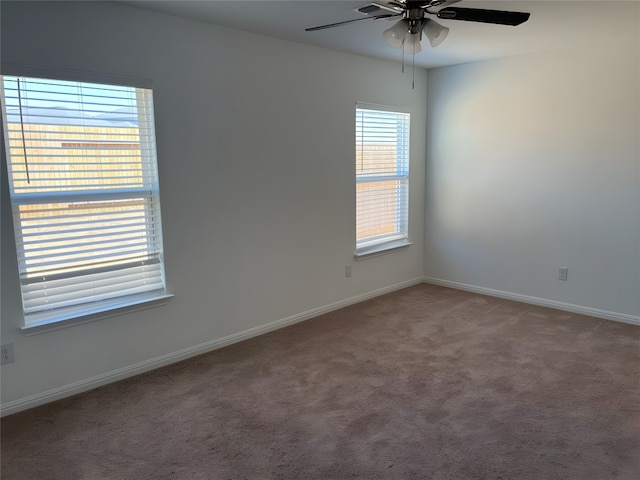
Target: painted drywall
{"points": [[256, 161], [533, 164]]}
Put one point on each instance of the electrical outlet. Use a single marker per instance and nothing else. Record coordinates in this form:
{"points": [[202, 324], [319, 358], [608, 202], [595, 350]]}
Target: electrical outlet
{"points": [[563, 273], [347, 271], [6, 353]]}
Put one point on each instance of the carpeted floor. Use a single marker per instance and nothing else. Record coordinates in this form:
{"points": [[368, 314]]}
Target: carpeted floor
{"points": [[424, 383]]}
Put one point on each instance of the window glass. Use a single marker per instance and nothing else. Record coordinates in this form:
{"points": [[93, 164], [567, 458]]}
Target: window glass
{"points": [[83, 181], [382, 179]]}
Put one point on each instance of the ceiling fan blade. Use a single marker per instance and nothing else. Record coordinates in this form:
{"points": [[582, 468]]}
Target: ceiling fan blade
{"points": [[499, 17], [440, 4], [331, 25], [393, 3]]}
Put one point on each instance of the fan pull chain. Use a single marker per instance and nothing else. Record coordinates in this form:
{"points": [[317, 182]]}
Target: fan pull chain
{"points": [[413, 73], [24, 146]]}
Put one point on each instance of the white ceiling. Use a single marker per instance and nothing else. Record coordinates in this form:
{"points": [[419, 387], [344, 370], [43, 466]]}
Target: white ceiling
{"points": [[552, 24]]}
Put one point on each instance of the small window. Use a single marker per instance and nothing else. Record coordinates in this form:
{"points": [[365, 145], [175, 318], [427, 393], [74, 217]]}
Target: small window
{"points": [[382, 180], [83, 181]]}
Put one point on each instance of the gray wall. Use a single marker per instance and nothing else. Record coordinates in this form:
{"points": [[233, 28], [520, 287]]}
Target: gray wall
{"points": [[256, 160], [533, 164]]}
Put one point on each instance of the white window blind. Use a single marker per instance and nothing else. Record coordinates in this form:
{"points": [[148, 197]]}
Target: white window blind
{"points": [[84, 192], [382, 178]]}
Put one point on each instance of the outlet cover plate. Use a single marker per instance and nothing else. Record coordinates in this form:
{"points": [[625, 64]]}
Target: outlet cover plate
{"points": [[6, 353], [563, 273]]}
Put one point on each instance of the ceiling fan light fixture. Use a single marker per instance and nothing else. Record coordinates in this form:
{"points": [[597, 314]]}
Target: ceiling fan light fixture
{"points": [[395, 35], [411, 44], [435, 32]]}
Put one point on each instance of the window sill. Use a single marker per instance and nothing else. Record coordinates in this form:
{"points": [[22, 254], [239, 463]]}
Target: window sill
{"points": [[42, 323], [381, 248]]}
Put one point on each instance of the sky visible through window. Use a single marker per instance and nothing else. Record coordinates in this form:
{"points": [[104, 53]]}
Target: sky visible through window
{"points": [[69, 103]]}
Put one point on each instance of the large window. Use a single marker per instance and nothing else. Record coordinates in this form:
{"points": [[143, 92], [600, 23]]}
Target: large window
{"points": [[382, 179], [83, 181]]}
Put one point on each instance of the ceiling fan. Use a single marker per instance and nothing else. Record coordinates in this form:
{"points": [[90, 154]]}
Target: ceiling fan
{"points": [[407, 33]]}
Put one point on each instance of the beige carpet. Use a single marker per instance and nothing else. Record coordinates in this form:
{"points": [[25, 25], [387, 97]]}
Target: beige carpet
{"points": [[424, 383]]}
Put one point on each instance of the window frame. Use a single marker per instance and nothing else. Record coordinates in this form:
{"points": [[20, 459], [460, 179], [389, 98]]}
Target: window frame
{"points": [[400, 238], [83, 312]]}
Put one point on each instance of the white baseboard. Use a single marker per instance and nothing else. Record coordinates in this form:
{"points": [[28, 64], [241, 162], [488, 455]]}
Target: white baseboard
{"points": [[567, 307], [138, 368]]}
